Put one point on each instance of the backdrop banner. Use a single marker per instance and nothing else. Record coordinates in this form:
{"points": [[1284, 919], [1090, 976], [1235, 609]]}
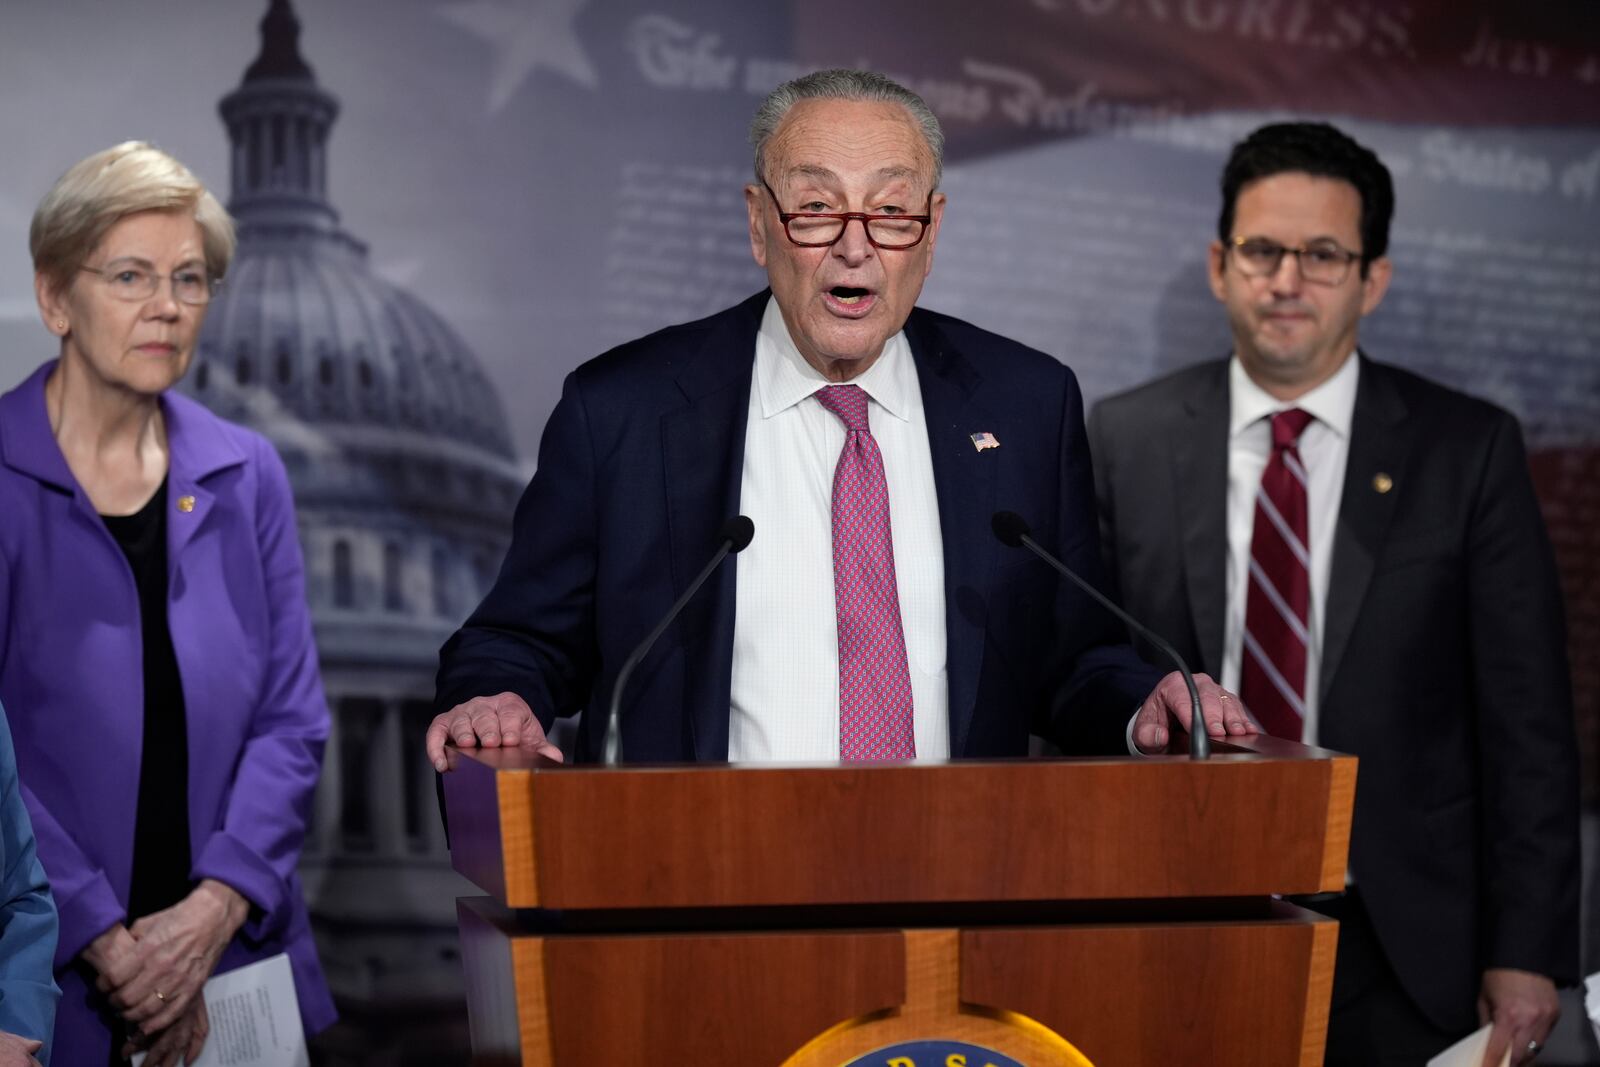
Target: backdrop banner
{"points": [[455, 202]]}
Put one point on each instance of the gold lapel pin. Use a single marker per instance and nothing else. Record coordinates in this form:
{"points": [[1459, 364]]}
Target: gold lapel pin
{"points": [[1382, 482], [186, 504]]}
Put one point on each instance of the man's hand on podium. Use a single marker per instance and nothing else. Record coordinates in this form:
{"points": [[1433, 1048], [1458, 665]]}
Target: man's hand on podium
{"points": [[503, 720], [1223, 712]]}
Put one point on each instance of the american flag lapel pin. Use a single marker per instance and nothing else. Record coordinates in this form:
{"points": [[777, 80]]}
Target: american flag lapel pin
{"points": [[981, 441]]}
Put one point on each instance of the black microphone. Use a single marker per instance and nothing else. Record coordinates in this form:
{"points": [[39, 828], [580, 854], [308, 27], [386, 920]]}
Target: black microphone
{"points": [[734, 537], [1012, 529]]}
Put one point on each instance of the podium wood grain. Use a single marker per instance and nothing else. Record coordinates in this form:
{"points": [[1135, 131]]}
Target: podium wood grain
{"points": [[1248, 822], [806, 915]]}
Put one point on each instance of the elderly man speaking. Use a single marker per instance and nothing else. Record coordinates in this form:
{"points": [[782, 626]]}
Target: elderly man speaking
{"points": [[875, 615]]}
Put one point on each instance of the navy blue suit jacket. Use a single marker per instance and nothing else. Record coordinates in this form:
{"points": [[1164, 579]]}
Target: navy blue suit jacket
{"points": [[640, 465]]}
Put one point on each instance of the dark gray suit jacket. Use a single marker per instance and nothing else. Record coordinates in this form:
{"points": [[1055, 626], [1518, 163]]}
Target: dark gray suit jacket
{"points": [[1443, 661]]}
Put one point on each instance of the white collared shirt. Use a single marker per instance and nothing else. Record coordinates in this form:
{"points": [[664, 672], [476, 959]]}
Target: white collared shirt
{"points": [[785, 695], [1325, 451]]}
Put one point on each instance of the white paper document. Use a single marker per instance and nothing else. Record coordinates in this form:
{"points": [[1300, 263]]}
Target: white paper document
{"points": [[255, 1019], [1468, 1052]]}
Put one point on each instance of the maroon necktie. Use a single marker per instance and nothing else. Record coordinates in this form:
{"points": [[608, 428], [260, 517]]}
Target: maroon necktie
{"points": [[875, 719], [1277, 634]]}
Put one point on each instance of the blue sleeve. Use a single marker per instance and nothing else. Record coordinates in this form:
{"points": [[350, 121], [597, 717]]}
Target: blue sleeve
{"points": [[535, 632], [1103, 681], [28, 992]]}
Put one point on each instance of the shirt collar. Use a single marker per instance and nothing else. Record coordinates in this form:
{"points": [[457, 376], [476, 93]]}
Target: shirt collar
{"points": [[1333, 403], [783, 378]]}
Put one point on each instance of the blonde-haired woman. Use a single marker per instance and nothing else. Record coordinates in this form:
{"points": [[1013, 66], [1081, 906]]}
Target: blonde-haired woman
{"points": [[155, 649]]}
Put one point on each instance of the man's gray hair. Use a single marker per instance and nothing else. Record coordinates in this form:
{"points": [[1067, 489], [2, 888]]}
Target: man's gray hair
{"points": [[840, 84]]}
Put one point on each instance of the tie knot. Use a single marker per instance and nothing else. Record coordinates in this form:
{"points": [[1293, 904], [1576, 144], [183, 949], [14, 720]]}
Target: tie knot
{"points": [[849, 402], [1287, 427]]}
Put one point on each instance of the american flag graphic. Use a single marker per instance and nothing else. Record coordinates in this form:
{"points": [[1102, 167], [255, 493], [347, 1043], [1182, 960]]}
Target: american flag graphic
{"points": [[981, 441]]}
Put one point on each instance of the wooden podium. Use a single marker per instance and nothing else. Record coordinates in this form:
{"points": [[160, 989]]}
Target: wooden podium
{"points": [[1117, 912]]}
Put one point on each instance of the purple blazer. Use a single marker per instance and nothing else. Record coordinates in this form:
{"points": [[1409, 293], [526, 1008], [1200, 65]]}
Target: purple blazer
{"points": [[71, 679]]}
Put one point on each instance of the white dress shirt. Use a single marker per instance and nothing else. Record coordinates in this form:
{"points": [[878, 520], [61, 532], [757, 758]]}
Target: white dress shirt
{"points": [[1325, 450], [785, 692]]}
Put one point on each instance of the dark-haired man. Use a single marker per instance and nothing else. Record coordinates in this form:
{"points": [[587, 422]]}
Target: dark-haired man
{"points": [[1358, 553]]}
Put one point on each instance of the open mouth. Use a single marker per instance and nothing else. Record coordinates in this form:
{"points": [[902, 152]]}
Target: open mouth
{"points": [[849, 301]]}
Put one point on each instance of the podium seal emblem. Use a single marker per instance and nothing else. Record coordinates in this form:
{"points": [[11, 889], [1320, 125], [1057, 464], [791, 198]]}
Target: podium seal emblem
{"points": [[934, 1053]]}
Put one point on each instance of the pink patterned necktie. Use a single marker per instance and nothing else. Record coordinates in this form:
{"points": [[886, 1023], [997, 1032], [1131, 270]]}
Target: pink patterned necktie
{"points": [[1272, 678], [875, 719]]}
